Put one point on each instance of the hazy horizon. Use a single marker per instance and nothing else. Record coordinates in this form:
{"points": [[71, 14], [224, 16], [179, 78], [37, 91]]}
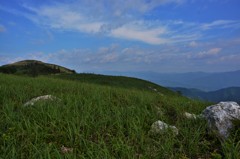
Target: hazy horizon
{"points": [[123, 36]]}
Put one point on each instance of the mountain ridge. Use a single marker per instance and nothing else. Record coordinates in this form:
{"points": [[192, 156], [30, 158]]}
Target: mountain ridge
{"points": [[225, 94]]}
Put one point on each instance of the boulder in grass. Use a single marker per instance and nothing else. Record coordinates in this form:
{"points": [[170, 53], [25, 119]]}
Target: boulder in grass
{"points": [[160, 127], [40, 98], [220, 117]]}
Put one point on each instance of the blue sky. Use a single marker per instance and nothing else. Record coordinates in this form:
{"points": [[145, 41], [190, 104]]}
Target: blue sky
{"points": [[131, 35]]}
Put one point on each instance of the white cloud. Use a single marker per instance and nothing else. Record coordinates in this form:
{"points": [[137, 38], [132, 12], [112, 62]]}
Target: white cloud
{"points": [[67, 17], [125, 8], [139, 33], [7, 59], [120, 19], [109, 58], [115, 57], [64, 18], [136, 58], [91, 16]]}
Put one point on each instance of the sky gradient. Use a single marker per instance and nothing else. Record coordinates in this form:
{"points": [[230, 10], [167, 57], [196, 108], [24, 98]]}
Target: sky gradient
{"points": [[131, 35]]}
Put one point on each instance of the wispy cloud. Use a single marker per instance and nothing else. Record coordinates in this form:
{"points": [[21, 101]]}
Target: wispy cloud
{"points": [[63, 17], [115, 57], [104, 56], [119, 19], [210, 53], [136, 31], [6, 58], [92, 16], [221, 24], [203, 55]]}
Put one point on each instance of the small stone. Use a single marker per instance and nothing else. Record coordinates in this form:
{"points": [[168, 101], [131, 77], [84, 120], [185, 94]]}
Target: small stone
{"points": [[66, 149], [160, 127], [155, 89], [190, 116]]}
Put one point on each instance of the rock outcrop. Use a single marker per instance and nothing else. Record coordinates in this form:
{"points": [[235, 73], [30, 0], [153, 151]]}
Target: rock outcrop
{"points": [[220, 117], [160, 127]]}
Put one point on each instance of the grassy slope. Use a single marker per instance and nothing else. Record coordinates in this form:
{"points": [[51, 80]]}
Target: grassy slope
{"points": [[98, 121], [116, 81]]}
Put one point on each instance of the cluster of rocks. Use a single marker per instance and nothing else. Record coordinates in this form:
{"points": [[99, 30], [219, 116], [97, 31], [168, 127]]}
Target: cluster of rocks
{"points": [[220, 119]]}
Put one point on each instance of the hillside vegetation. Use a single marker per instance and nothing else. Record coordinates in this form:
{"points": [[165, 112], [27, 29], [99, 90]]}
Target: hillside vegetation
{"points": [[101, 117], [34, 68], [115, 81]]}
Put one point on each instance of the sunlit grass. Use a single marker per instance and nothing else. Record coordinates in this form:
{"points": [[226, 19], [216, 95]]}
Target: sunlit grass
{"points": [[99, 121]]}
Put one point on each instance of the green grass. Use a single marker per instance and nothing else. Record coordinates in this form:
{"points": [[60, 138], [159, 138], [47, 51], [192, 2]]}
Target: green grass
{"points": [[115, 81], [100, 117]]}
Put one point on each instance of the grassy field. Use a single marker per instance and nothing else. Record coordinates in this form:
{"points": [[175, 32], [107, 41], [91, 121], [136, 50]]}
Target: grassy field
{"points": [[101, 117]]}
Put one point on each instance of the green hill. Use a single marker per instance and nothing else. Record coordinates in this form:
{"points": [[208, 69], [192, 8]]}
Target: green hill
{"points": [[99, 116], [116, 81], [34, 68]]}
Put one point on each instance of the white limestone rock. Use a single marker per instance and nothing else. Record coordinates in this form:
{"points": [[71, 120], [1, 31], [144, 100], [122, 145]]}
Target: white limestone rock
{"points": [[220, 117], [160, 127], [40, 98]]}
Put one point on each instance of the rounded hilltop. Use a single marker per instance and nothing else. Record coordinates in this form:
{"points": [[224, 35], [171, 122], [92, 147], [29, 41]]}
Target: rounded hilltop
{"points": [[34, 68]]}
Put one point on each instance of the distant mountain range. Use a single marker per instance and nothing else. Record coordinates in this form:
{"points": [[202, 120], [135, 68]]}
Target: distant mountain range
{"points": [[226, 94], [214, 87], [198, 80], [34, 68]]}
